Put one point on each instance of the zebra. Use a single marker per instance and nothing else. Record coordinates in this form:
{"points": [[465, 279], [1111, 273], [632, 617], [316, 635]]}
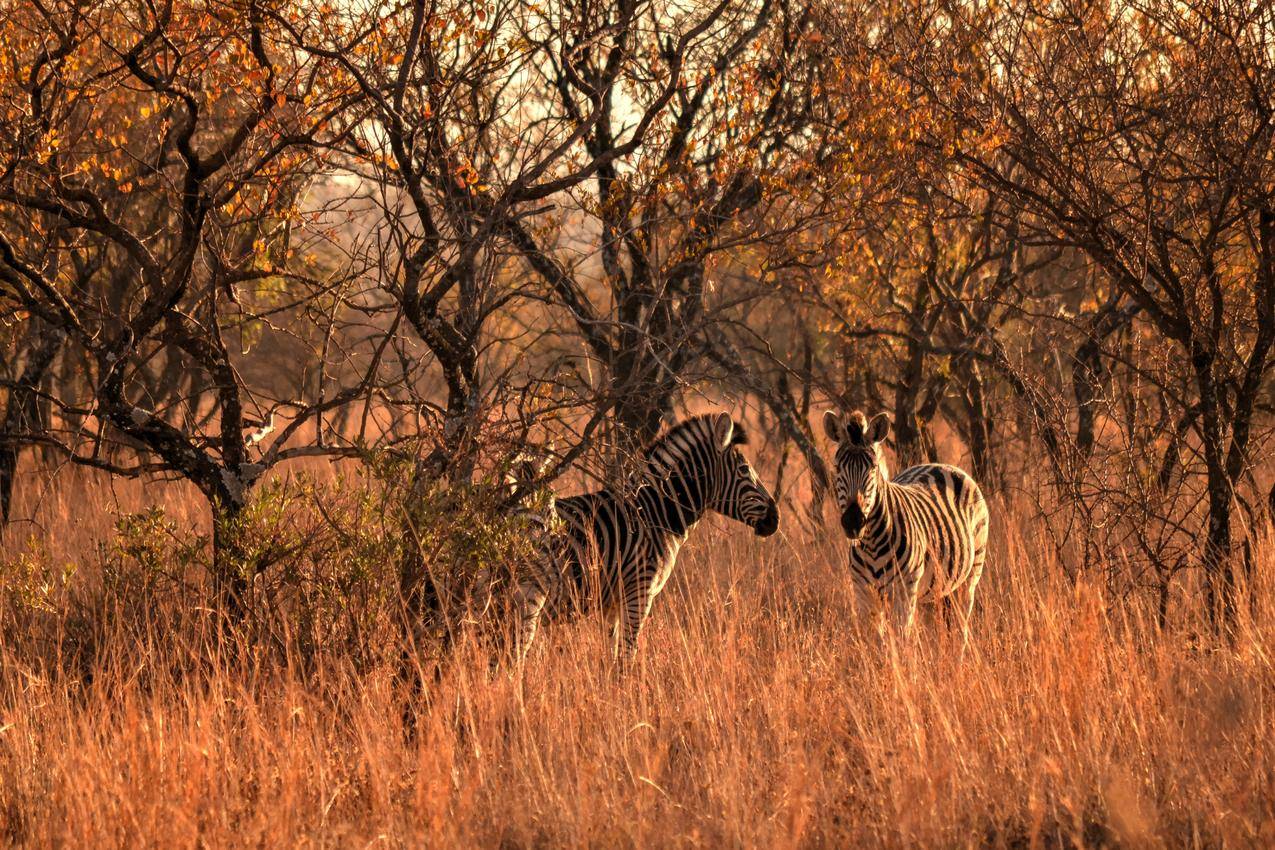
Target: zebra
{"points": [[921, 536], [614, 553]]}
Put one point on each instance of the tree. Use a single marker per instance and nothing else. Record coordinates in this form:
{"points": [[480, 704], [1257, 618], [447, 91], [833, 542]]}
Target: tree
{"points": [[149, 212], [1140, 134], [706, 142]]}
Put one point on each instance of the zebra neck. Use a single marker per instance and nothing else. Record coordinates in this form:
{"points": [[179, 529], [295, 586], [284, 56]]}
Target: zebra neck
{"points": [[879, 524], [671, 505]]}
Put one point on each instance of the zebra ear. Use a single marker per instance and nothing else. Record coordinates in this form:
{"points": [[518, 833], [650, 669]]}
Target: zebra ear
{"points": [[879, 428], [832, 426], [525, 470], [723, 431]]}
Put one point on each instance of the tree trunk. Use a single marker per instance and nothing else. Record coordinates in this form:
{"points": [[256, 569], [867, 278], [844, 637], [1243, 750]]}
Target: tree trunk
{"points": [[784, 392], [1219, 571], [641, 413], [231, 575], [907, 434], [420, 596], [1086, 378], [980, 429], [451, 464], [22, 413]]}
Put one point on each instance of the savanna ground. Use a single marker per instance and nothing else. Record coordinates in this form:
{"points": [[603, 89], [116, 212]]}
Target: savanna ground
{"points": [[757, 714]]}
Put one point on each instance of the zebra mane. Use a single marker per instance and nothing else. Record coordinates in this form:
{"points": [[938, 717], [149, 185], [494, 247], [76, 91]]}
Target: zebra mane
{"points": [[857, 428], [668, 445]]}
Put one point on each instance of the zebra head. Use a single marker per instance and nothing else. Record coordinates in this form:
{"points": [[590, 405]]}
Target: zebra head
{"points": [[701, 458], [860, 468]]}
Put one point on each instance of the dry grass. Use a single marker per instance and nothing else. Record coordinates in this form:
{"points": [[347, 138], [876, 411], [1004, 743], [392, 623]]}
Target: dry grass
{"points": [[757, 715]]}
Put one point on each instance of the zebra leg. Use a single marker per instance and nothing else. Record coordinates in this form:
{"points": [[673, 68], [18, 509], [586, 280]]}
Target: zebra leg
{"points": [[963, 605], [868, 610], [951, 614], [633, 614], [963, 598], [903, 599], [531, 598]]}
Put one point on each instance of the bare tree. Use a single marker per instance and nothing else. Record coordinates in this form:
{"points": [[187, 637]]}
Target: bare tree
{"points": [[724, 96], [158, 223], [1140, 134]]}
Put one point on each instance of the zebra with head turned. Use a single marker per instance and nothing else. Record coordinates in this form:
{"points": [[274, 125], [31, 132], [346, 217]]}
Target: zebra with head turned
{"points": [[615, 552], [921, 536]]}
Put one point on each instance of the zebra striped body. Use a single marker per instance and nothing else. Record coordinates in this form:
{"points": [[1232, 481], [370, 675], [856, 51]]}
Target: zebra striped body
{"points": [[922, 536], [615, 553]]}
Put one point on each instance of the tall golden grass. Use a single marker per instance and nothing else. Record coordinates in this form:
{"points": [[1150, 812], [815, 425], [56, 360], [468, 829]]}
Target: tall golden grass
{"points": [[757, 714]]}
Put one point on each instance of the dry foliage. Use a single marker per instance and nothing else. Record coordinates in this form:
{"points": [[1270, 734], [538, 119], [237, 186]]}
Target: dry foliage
{"points": [[757, 714]]}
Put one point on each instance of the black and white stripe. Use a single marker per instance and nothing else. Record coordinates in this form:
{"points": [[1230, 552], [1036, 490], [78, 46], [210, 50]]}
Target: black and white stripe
{"points": [[614, 552], [922, 536]]}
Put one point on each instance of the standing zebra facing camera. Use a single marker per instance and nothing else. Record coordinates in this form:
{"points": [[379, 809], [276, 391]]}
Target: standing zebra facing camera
{"points": [[921, 536], [615, 552]]}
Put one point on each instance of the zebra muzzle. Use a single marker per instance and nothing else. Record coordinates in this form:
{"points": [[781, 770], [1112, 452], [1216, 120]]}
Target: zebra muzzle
{"points": [[852, 522], [769, 523]]}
